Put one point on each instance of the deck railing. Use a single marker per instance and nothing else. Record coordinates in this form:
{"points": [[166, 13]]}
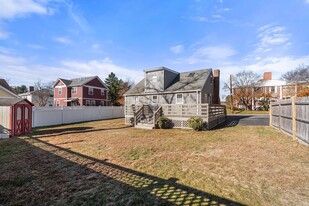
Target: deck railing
{"points": [[158, 113]]}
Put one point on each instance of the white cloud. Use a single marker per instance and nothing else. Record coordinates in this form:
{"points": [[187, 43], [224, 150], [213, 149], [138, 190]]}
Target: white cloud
{"points": [[63, 40], [3, 34], [22, 70], [95, 46], [177, 49], [202, 54], [19, 8], [272, 36], [307, 1]]}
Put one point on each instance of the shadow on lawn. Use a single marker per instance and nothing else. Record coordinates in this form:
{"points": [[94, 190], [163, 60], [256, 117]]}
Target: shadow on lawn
{"points": [[55, 175], [70, 130], [231, 121]]}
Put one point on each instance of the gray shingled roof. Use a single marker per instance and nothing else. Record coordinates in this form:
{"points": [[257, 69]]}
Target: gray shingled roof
{"points": [[186, 82], [77, 81], [4, 84]]}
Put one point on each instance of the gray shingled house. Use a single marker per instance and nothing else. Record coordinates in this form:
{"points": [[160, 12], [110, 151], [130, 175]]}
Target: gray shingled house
{"points": [[176, 95]]}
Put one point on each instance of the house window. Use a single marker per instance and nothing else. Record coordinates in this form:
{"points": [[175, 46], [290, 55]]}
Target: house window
{"points": [[155, 99], [87, 102], [102, 92], [74, 90], [136, 99], [102, 103], [90, 91], [60, 90], [93, 103], [272, 89], [57, 103], [154, 78], [179, 99]]}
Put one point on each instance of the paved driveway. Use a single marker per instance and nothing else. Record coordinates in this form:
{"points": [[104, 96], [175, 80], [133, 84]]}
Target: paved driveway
{"points": [[247, 120]]}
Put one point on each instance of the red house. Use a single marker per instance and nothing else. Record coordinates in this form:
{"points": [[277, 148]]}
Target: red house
{"points": [[85, 91]]}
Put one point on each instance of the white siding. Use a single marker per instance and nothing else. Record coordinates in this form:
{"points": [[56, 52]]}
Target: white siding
{"points": [[4, 121]]}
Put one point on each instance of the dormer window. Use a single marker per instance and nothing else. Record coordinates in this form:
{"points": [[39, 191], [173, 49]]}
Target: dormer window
{"points": [[154, 78]]}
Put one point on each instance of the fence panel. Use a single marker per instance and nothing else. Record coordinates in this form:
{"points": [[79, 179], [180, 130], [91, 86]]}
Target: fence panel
{"points": [[46, 116], [292, 117]]}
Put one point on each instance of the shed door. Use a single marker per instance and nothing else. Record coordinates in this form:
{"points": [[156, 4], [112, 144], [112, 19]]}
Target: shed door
{"points": [[18, 124], [27, 119], [22, 118]]}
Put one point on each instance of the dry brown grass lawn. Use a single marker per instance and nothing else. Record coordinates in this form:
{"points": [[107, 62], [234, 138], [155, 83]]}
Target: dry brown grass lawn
{"points": [[107, 163]]}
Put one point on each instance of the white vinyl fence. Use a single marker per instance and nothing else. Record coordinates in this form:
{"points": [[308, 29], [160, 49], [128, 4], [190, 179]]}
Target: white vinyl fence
{"points": [[45, 116]]}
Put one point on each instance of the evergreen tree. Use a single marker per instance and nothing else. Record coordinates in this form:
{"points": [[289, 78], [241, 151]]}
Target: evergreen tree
{"points": [[113, 84]]}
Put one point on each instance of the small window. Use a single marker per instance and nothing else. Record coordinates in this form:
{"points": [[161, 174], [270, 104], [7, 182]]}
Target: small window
{"points": [[102, 92], [60, 90], [93, 103], [74, 90], [90, 91], [87, 102], [136, 99], [57, 103], [102, 103], [155, 99], [154, 78], [179, 99], [272, 89]]}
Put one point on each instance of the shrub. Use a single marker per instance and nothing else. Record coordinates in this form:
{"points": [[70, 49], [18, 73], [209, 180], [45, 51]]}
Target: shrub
{"points": [[164, 122], [196, 123]]}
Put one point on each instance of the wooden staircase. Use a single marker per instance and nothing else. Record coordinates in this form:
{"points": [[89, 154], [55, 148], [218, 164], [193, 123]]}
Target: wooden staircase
{"points": [[145, 117]]}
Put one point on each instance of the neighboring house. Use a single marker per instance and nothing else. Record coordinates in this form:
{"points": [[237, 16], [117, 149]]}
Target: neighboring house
{"points": [[175, 95], [269, 90], [85, 91], [6, 91], [165, 86], [43, 97]]}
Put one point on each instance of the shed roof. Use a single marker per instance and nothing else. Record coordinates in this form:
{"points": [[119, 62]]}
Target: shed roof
{"points": [[13, 101], [188, 81]]}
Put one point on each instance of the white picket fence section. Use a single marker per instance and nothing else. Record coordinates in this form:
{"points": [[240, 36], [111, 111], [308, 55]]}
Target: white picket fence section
{"points": [[46, 116]]}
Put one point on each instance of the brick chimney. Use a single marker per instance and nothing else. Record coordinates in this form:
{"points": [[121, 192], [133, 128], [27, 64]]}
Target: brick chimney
{"points": [[31, 88], [216, 97], [267, 76]]}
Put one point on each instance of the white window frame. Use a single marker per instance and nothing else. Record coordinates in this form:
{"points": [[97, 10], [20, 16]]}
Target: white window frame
{"points": [[93, 103], [60, 90], [136, 99], [57, 103], [74, 90], [177, 102], [90, 91], [270, 89], [155, 102], [102, 103], [87, 102], [102, 92]]}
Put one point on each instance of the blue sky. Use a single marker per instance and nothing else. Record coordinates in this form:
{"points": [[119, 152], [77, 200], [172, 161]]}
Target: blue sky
{"points": [[47, 39]]}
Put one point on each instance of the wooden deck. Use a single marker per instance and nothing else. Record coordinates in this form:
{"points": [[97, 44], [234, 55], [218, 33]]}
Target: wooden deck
{"points": [[179, 114]]}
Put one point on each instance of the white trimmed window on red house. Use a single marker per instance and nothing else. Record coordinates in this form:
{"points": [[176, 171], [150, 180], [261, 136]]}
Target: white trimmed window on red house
{"points": [[93, 103], [90, 91], [74, 90], [87, 102]]}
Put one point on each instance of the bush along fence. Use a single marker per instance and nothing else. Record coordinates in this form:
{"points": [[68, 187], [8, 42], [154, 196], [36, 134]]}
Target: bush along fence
{"points": [[46, 116], [292, 117]]}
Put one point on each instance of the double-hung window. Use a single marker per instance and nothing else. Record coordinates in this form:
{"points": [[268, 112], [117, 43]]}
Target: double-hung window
{"points": [[90, 91], [179, 99]]}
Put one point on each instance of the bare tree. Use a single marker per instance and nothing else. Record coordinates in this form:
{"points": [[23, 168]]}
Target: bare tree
{"points": [[43, 91], [300, 74], [124, 86], [245, 86]]}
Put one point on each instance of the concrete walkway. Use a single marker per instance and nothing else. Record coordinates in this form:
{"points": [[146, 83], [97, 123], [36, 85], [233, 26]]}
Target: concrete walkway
{"points": [[247, 120]]}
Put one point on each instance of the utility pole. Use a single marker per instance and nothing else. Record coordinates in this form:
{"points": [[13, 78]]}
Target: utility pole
{"points": [[231, 95]]}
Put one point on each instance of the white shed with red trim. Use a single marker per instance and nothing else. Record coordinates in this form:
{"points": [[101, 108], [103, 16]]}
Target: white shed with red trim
{"points": [[15, 117]]}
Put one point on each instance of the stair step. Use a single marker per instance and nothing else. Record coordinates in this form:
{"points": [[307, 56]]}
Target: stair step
{"points": [[144, 126]]}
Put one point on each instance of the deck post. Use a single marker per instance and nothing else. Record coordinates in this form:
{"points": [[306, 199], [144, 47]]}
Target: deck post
{"points": [[270, 115]]}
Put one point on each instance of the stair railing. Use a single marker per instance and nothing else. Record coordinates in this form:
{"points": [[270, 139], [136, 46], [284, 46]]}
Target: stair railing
{"points": [[158, 113], [138, 115]]}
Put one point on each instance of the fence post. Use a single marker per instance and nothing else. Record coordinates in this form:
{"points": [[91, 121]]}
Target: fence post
{"points": [[294, 117], [270, 115], [279, 115]]}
